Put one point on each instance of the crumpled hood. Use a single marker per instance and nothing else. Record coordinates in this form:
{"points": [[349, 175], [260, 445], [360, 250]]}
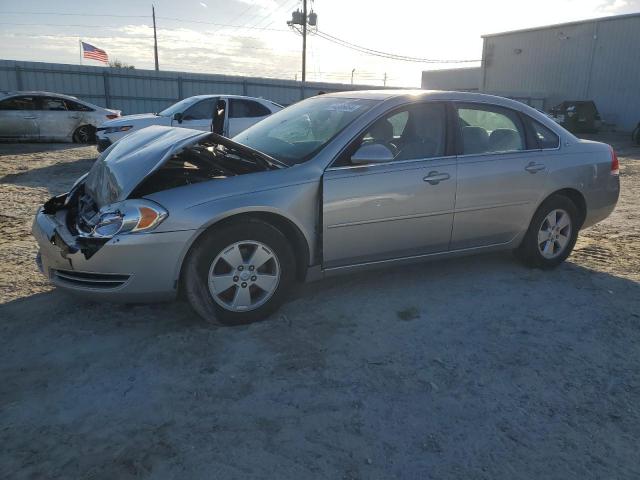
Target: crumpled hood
{"points": [[120, 168], [137, 120]]}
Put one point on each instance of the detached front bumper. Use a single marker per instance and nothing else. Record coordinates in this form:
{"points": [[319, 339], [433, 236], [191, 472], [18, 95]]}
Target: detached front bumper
{"points": [[132, 267]]}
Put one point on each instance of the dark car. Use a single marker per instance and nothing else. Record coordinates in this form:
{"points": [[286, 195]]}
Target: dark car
{"points": [[577, 116]]}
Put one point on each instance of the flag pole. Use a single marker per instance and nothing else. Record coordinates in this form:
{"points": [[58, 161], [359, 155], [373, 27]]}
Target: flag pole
{"points": [[80, 45]]}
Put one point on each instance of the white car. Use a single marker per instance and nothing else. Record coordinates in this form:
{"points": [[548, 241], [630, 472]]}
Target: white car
{"points": [[235, 114], [46, 116]]}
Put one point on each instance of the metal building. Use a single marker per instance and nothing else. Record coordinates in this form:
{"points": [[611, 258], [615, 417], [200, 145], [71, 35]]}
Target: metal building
{"points": [[461, 79], [597, 59]]}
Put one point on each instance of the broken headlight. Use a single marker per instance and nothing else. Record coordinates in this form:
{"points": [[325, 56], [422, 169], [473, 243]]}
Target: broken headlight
{"points": [[129, 216]]}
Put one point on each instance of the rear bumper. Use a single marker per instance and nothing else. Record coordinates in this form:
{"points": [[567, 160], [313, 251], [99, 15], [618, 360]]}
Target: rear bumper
{"points": [[138, 267], [602, 202]]}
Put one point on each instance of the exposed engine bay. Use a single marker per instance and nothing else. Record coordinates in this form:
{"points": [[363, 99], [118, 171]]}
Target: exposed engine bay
{"points": [[107, 201], [195, 164]]}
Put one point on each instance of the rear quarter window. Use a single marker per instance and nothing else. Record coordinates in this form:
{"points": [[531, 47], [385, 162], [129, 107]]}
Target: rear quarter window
{"points": [[77, 107], [544, 136]]}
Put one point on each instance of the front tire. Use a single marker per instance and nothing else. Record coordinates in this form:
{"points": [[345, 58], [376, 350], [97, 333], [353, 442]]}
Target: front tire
{"points": [[552, 234], [239, 273]]}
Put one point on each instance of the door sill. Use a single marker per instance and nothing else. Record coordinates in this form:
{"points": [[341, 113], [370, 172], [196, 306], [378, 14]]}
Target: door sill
{"points": [[317, 272]]}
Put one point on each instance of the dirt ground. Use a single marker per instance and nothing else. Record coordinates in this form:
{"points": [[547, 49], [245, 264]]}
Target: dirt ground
{"points": [[475, 368]]}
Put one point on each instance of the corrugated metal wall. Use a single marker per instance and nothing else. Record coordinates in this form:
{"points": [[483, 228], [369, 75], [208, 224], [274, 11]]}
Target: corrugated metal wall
{"points": [[140, 91], [614, 82], [461, 79], [593, 60]]}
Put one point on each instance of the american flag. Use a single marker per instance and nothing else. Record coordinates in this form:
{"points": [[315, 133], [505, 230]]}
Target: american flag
{"points": [[94, 53]]}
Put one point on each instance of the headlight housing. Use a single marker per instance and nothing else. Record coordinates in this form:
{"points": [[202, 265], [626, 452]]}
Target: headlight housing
{"points": [[124, 128], [129, 216]]}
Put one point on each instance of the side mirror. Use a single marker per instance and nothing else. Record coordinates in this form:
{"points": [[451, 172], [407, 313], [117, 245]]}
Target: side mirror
{"points": [[372, 153], [178, 117]]}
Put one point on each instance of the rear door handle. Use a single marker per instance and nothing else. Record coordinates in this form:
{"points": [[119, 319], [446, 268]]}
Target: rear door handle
{"points": [[434, 177], [534, 167]]}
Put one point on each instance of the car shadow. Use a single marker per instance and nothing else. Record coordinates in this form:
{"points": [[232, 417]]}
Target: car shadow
{"points": [[56, 178], [12, 148], [475, 355], [455, 281]]}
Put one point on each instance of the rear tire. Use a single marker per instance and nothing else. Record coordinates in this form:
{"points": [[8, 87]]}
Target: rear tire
{"points": [[551, 235], [85, 134], [239, 273]]}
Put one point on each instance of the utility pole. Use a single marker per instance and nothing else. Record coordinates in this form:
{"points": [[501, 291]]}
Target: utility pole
{"points": [[352, 72], [304, 41], [155, 36], [385, 79], [304, 19]]}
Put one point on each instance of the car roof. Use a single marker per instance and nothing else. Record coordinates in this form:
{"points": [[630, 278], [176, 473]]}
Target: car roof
{"points": [[227, 96], [41, 93], [424, 94], [418, 94]]}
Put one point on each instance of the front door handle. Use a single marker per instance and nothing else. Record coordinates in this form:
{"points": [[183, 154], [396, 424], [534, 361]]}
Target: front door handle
{"points": [[534, 167], [29, 118], [435, 178]]}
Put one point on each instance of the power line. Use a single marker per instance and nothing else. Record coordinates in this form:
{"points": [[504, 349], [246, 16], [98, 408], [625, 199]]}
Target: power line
{"points": [[186, 20], [378, 53], [144, 25], [145, 37], [257, 19], [64, 25], [245, 10], [54, 35], [275, 13], [75, 14]]}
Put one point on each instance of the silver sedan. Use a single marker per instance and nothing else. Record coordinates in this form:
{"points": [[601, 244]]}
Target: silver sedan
{"points": [[332, 184], [46, 116]]}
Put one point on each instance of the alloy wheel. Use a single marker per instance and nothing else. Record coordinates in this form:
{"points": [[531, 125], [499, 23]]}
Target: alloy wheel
{"points": [[244, 276], [83, 135], [554, 233]]}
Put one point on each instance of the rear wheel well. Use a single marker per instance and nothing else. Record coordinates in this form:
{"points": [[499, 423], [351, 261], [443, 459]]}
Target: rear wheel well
{"points": [[291, 232], [578, 200]]}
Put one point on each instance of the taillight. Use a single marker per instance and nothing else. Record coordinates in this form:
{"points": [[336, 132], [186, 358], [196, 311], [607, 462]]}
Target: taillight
{"points": [[111, 116], [615, 164]]}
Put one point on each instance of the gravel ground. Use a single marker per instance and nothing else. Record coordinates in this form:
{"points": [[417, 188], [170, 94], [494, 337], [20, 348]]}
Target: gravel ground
{"points": [[471, 368]]}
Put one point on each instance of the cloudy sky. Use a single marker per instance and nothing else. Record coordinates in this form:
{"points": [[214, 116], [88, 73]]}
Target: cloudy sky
{"points": [[250, 37]]}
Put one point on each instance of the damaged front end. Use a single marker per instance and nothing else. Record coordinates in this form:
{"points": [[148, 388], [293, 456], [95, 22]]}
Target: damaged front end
{"points": [[108, 201], [86, 228]]}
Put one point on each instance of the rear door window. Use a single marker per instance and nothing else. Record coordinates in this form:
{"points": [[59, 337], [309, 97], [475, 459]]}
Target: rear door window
{"points": [[246, 109], [53, 104], [489, 129]]}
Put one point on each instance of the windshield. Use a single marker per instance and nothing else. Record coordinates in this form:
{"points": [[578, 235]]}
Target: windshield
{"points": [[179, 107], [295, 134]]}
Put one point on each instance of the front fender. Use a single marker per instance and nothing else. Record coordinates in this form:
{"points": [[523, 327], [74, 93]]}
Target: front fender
{"points": [[297, 204]]}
